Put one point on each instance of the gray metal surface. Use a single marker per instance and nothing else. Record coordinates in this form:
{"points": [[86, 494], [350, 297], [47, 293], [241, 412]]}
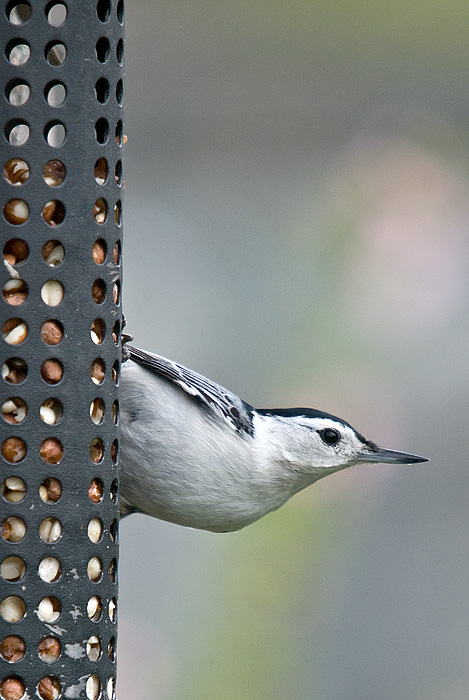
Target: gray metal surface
{"points": [[83, 57]]}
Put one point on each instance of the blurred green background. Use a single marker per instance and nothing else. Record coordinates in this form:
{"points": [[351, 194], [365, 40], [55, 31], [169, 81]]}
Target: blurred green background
{"points": [[296, 222]]}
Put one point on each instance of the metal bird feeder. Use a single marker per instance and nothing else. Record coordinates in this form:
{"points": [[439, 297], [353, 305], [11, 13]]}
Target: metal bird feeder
{"points": [[62, 81]]}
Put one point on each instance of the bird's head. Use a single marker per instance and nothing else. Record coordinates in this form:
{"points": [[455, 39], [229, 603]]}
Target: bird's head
{"points": [[315, 443]]}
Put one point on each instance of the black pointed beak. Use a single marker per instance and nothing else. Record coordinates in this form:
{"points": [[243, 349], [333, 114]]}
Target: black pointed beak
{"points": [[390, 457]]}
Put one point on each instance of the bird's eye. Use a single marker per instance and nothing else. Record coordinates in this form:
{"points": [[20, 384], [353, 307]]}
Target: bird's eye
{"points": [[330, 436]]}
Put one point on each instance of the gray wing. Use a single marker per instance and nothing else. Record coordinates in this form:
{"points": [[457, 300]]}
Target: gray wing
{"points": [[216, 399]]}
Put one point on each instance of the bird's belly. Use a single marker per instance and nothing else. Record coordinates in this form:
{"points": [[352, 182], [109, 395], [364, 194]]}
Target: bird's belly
{"points": [[198, 501], [208, 489]]}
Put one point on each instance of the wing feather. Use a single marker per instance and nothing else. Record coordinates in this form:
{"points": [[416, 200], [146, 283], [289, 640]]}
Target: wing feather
{"points": [[216, 399]]}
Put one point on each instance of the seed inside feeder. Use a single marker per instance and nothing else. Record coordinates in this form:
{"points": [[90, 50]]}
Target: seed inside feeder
{"points": [[94, 569], [14, 331], [97, 411], [49, 688], [96, 490], [49, 649], [100, 210], [14, 370], [97, 371], [96, 450], [98, 291], [53, 253], [99, 251], [13, 489], [95, 530], [111, 649], [15, 251], [52, 293], [49, 569], [12, 648], [115, 372], [114, 451], [12, 569], [116, 253], [14, 410], [16, 172], [16, 211], [51, 411], [93, 687], [93, 648], [54, 172], [53, 212], [113, 570], [13, 450], [12, 608], [50, 490], [15, 292], [98, 330], [101, 171], [51, 451], [94, 608], [52, 332], [49, 609], [50, 530], [13, 529], [52, 371], [12, 688]]}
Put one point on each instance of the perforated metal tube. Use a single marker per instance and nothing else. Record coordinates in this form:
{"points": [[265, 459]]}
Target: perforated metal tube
{"points": [[60, 350]]}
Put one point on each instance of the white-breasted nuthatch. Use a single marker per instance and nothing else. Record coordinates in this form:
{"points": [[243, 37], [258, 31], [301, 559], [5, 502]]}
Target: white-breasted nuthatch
{"points": [[195, 454]]}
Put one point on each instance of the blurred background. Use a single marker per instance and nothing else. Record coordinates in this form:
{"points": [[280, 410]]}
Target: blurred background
{"points": [[296, 228]]}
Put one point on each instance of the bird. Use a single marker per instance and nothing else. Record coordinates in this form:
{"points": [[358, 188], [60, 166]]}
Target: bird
{"points": [[193, 453]]}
